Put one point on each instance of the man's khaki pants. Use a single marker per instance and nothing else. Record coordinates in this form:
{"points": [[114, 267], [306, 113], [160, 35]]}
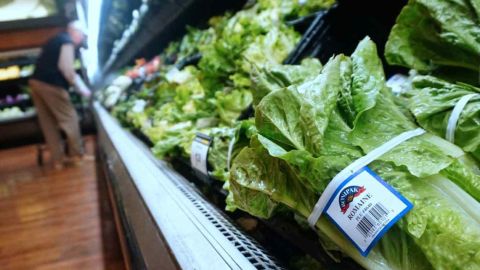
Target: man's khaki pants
{"points": [[56, 112]]}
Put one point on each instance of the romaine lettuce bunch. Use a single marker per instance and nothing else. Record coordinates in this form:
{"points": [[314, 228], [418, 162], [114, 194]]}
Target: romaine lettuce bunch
{"points": [[308, 132]]}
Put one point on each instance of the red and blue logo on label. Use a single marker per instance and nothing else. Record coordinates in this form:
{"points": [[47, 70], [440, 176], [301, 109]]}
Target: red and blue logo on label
{"points": [[363, 195], [347, 195]]}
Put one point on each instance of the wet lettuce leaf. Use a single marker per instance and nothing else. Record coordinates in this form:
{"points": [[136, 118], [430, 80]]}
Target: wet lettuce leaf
{"points": [[270, 77], [438, 36], [431, 101]]}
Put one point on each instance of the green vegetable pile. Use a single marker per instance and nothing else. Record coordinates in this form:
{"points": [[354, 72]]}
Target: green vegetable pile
{"points": [[431, 100], [210, 97], [313, 120], [309, 131]]}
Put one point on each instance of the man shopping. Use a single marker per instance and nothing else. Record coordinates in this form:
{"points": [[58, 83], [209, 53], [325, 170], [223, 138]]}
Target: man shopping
{"points": [[54, 74]]}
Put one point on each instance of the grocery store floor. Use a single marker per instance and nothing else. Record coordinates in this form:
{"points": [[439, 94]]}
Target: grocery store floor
{"points": [[54, 219]]}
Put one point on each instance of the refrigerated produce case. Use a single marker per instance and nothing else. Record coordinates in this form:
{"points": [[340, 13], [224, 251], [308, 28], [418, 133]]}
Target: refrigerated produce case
{"points": [[169, 217], [166, 222], [173, 215]]}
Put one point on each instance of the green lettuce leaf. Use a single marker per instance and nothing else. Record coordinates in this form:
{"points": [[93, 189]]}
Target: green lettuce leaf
{"points": [[236, 137], [231, 104], [272, 77], [297, 118], [431, 100], [432, 36]]}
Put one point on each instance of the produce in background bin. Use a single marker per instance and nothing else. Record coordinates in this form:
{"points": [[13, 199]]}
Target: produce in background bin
{"points": [[11, 112], [216, 91]]}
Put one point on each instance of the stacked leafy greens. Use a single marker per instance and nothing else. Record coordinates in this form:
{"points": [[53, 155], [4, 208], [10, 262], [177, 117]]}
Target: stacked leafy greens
{"points": [[196, 38], [432, 100], [438, 36], [216, 92], [296, 8], [311, 121], [256, 34], [309, 131], [227, 143], [190, 43]]}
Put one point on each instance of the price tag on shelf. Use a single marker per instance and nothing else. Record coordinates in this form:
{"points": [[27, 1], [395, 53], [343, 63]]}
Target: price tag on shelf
{"points": [[199, 153], [364, 207]]}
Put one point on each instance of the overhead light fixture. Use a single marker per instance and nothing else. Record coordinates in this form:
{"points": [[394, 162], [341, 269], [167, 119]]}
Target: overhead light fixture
{"points": [[94, 8]]}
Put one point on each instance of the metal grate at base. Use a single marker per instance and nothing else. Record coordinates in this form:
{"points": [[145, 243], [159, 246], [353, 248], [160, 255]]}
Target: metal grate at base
{"points": [[245, 244], [199, 235]]}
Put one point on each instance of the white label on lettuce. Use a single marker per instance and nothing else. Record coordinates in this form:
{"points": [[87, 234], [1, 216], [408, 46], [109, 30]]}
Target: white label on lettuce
{"points": [[199, 153], [364, 207]]}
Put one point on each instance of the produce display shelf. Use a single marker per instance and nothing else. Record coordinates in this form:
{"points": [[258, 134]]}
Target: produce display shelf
{"points": [[285, 228], [29, 115], [319, 31], [55, 20], [168, 223], [14, 81], [282, 229], [22, 104]]}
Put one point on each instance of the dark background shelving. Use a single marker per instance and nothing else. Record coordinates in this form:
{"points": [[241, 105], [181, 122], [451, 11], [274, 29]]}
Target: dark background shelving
{"points": [[20, 44]]}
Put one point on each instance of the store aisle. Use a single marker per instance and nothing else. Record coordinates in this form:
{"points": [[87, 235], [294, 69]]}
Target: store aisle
{"points": [[54, 219]]}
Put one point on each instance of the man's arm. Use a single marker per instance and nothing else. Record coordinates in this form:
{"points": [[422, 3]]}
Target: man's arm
{"points": [[66, 66]]}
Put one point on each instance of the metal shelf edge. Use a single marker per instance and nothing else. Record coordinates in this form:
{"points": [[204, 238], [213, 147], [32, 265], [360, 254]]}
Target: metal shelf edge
{"points": [[195, 242]]}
